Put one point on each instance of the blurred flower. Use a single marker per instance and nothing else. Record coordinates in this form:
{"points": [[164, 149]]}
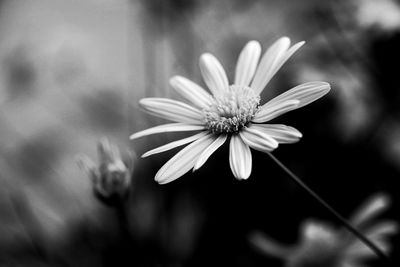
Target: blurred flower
{"points": [[111, 177], [232, 111], [321, 245], [383, 14]]}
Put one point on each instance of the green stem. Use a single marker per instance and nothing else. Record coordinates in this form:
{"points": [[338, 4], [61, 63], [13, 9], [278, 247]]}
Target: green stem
{"points": [[340, 218]]}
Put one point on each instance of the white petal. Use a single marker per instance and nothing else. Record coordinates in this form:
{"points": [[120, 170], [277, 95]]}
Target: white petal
{"points": [[267, 67], [270, 111], [258, 140], [183, 161], [305, 93], [209, 151], [288, 54], [213, 74], [174, 144], [191, 91], [240, 159], [247, 63], [169, 127], [281, 133], [172, 110], [370, 209], [293, 49]]}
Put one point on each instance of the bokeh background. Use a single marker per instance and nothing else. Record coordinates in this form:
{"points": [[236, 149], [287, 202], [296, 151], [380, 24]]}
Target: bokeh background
{"points": [[73, 71]]}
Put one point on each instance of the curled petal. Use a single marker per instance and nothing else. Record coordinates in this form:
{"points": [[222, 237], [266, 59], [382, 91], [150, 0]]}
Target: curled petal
{"points": [[172, 110], [247, 63], [270, 111], [213, 74], [191, 91], [184, 160], [269, 61], [174, 144], [258, 140], [209, 151], [169, 127], [288, 54], [275, 57], [240, 159], [281, 133], [305, 93]]}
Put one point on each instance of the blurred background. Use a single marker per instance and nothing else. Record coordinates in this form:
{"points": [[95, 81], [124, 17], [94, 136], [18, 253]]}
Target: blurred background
{"points": [[73, 71]]}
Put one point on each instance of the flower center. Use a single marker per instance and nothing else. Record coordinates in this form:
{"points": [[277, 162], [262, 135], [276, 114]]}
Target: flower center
{"points": [[232, 110]]}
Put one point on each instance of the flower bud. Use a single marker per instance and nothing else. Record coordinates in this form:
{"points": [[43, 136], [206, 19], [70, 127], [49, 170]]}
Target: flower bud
{"points": [[111, 177]]}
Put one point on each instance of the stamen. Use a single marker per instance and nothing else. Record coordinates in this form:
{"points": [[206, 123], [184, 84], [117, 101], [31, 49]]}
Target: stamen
{"points": [[232, 110]]}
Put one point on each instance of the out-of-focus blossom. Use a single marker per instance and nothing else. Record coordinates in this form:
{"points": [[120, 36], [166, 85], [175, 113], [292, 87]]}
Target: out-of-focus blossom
{"points": [[384, 14], [230, 111], [111, 177], [322, 245]]}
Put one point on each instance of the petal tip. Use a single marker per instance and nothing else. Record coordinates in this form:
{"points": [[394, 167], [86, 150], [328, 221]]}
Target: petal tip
{"points": [[196, 166], [160, 179], [173, 80], [301, 43], [242, 177], [284, 40], [325, 87], [176, 79], [205, 57], [143, 102], [328, 87], [254, 44], [326, 84], [275, 145]]}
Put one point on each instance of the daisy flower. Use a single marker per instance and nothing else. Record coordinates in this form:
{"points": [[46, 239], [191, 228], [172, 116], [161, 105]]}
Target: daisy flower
{"points": [[322, 245], [230, 113]]}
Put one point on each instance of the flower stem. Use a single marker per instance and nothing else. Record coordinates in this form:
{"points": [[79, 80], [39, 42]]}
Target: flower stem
{"points": [[340, 218]]}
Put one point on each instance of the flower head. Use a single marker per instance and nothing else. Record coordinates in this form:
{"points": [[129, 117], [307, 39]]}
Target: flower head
{"points": [[231, 112], [111, 177], [322, 245]]}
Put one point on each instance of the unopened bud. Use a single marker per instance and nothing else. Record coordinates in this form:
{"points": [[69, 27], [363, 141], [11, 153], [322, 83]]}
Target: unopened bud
{"points": [[111, 177]]}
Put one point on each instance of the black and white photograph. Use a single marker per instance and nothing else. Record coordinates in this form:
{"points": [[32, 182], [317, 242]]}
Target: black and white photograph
{"points": [[193, 133]]}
